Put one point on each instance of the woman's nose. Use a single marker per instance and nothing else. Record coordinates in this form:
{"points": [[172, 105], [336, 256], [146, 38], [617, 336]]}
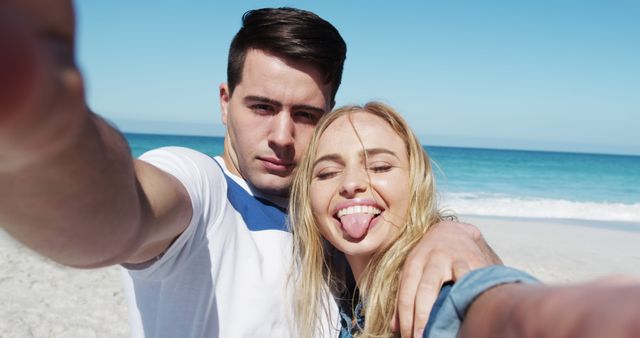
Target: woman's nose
{"points": [[354, 181]]}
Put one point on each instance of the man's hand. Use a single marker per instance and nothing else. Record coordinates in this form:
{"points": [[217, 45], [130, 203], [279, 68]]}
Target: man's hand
{"points": [[69, 187], [41, 92], [446, 252]]}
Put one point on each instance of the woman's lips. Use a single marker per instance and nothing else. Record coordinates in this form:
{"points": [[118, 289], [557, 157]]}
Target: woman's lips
{"points": [[357, 216], [356, 202]]}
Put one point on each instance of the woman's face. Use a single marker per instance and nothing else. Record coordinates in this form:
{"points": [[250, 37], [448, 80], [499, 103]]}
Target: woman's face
{"points": [[360, 202]]}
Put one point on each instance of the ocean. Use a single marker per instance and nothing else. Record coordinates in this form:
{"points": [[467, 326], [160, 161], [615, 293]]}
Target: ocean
{"points": [[505, 183]]}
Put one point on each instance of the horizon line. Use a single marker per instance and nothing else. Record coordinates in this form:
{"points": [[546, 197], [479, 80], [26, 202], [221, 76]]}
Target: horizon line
{"points": [[437, 145]]}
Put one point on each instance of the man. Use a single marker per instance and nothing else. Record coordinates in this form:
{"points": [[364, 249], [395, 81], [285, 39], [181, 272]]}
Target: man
{"points": [[203, 239]]}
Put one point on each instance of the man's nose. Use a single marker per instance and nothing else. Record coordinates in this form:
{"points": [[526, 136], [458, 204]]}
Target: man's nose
{"points": [[282, 130]]}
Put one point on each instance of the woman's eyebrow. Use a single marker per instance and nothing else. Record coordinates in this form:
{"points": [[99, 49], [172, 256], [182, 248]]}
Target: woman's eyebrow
{"points": [[376, 151], [369, 153], [328, 157]]}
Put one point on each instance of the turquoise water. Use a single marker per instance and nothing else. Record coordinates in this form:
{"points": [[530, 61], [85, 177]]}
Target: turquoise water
{"points": [[505, 182], [141, 143]]}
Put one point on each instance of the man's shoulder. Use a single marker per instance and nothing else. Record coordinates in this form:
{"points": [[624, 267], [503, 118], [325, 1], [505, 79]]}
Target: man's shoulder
{"points": [[197, 171], [176, 153], [180, 158]]}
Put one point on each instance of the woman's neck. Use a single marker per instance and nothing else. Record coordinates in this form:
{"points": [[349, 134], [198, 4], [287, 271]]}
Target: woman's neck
{"points": [[357, 265]]}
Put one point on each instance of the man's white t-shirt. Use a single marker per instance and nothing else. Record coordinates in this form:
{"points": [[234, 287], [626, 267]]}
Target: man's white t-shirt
{"points": [[226, 274]]}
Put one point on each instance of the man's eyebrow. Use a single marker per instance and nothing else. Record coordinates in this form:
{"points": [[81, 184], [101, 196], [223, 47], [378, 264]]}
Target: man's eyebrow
{"points": [[256, 98], [314, 109]]}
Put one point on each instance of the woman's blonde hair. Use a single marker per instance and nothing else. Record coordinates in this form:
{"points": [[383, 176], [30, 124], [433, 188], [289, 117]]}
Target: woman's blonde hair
{"points": [[319, 270]]}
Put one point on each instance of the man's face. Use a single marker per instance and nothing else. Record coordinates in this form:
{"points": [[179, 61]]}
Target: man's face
{"points": [[270, 118]]}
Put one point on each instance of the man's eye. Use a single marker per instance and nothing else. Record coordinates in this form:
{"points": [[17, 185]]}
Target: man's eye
{"points": [[306, 117], [261, 108]]}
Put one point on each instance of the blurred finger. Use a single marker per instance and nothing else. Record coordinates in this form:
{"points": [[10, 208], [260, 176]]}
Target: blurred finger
{"points": [[18, 63], [53, 18], [407, 289], [427, 293]]}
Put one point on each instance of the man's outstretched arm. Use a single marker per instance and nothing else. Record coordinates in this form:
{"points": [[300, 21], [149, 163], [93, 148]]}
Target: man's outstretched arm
{"points": [[446, 252], [69, 187]]}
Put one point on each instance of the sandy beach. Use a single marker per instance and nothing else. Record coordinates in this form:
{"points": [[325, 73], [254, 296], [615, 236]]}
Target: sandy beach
{"points": [[559, 251], [39, 298]]}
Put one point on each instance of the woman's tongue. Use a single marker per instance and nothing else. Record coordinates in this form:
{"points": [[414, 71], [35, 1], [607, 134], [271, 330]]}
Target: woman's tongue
{"points": [[356, 225]]}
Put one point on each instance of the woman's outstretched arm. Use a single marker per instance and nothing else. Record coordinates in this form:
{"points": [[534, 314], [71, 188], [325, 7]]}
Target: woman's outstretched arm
{"points": [[609, 308]]}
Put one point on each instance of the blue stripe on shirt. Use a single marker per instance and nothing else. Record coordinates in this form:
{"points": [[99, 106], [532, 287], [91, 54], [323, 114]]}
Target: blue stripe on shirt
{"points": [[258, 213]]}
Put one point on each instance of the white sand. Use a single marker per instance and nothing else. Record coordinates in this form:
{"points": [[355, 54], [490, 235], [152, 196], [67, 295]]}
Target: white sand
{"points": [[562, 251], [41, 299]]}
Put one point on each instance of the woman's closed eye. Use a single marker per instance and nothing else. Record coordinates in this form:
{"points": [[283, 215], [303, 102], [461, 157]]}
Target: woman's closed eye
{"points": [[380, 167], [327, 173]]}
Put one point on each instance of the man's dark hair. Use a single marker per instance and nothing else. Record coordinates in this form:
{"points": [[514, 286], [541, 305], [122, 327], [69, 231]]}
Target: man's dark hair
{"points": [[291, 33]]}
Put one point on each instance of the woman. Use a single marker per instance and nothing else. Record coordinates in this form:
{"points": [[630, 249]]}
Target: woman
{"points": [[371, 209], [363, 195]]}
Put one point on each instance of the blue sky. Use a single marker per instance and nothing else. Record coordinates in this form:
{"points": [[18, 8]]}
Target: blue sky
{"points": [[550, 75]]}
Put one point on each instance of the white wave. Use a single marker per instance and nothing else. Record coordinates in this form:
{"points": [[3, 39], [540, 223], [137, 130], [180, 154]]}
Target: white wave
{"points": [[487, 204]]}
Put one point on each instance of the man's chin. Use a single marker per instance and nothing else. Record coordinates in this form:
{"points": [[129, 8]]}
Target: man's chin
{"points": [[272, 185]]}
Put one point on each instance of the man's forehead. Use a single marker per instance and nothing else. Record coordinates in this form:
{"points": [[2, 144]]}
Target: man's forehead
{"points": [[274, 78]]}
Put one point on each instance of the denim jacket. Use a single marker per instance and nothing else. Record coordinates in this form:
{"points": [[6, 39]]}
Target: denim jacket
{"points": [[452, 302]]}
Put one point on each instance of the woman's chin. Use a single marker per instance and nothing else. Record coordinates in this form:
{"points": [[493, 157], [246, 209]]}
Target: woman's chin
{"points": [[363, 247]]}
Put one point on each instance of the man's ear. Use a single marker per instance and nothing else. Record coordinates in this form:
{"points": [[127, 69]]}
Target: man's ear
{"points": [[225, 96]]}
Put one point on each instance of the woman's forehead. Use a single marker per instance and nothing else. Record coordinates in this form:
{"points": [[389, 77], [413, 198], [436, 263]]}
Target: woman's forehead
{"points": [[362, 128], [355, 120]]}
